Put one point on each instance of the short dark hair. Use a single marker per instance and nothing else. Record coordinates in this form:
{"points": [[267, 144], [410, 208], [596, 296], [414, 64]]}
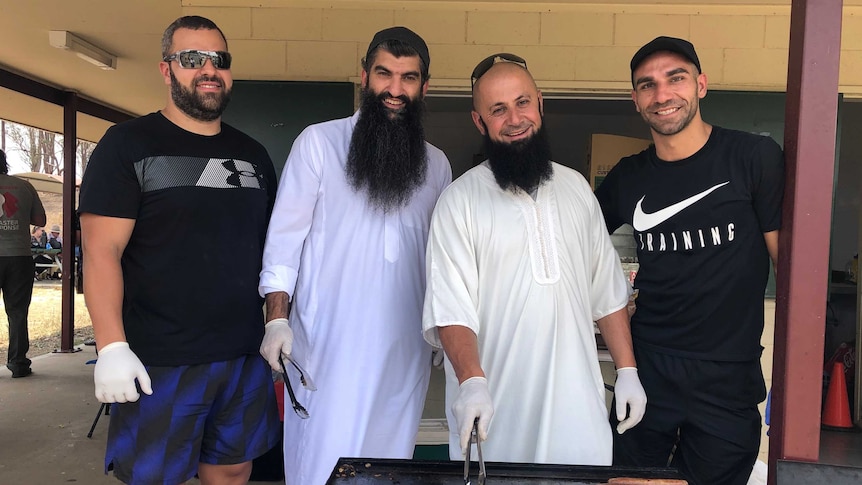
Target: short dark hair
{"points": [[4, 167], [193, 22]]}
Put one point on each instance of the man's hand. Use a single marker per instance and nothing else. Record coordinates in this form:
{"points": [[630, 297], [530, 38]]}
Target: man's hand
{"points": [[277, 341], [473, 401], [629, 392], [116, 370]]}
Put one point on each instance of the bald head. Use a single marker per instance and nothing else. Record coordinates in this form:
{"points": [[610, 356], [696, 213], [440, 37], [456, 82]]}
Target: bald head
{"points": [[505, 72], [507, 105]]}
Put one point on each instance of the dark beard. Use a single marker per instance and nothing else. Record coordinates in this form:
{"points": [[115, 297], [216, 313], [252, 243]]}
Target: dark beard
{"points": [[670, 130], [387, 157], [202, 107], [524, 164]]}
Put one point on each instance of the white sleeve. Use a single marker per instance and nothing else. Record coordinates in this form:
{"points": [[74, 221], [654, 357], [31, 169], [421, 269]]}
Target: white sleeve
{"points": [[292, 214], [610, 290], [452, 275]]}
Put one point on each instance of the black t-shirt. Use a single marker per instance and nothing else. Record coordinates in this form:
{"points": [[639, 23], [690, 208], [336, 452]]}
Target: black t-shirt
{"points": [[201, 206], [698, 227]]}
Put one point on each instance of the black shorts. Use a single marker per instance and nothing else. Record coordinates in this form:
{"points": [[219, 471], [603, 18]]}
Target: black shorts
{"points": [[701, 417]]}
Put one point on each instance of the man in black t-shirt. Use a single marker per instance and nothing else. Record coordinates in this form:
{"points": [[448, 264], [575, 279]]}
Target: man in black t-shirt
{"points": [[705, 206], [174, 208]]}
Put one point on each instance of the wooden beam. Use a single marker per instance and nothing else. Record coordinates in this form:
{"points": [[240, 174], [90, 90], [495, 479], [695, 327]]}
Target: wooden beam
{"points": [[803, 267], [51, 94], [70, 138]]}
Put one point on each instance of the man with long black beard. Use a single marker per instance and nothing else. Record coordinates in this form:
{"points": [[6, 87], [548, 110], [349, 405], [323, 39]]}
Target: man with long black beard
{"points": [[153, 187], [345, 253], [519, 266]]}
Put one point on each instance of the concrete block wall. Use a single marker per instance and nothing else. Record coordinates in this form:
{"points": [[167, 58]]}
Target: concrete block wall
{"points": [[571, 47]]}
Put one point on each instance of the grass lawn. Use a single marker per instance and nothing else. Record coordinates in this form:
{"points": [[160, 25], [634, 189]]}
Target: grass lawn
{"points": [[44, 320]]}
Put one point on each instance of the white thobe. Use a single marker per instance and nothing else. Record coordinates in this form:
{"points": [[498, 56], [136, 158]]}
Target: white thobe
{"points": [[356, 278], [529, 278]]}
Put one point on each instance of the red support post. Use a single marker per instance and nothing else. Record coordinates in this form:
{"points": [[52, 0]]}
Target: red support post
{"points": [[803, 268]]}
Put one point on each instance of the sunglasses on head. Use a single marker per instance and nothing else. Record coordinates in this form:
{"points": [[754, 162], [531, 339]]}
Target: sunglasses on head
{"points": [[195, 59], [489, 62]]}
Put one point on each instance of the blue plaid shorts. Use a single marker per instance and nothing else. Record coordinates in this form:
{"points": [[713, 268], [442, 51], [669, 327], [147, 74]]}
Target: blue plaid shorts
{"points": [[220, 413]]}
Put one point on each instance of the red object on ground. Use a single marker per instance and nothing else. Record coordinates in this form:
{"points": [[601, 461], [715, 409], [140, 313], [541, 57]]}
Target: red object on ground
{"points": [[836, 410]]}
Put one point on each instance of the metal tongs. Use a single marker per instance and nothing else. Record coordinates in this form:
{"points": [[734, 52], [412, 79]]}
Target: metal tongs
{"points": [[304, 378], [298, 408], [474, 438]]}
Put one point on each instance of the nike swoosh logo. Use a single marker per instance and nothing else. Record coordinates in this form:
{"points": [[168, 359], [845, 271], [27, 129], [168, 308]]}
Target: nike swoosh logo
{"points": [[642, 221]]}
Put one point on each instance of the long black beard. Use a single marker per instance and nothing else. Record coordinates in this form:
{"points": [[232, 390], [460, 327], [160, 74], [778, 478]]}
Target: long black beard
{"points": [[388, 157], [202, 107], [524, 164]]}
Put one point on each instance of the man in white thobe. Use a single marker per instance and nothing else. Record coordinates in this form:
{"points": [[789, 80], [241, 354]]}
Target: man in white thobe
{"points": [[519, 267], [346, 250]]}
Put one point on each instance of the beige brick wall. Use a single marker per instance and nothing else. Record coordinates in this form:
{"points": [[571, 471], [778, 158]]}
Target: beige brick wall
{"points": [[571, 47], [279, 23]]}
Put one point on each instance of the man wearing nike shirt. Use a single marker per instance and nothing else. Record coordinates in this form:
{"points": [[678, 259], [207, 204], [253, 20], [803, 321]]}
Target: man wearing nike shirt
{"points": [[705, 205]]}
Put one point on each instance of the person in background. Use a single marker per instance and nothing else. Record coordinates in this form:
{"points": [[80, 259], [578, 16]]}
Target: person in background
{"points": [[705, 205], [54, 242], [519, 267], [343, 269], [79, 256], [20, 207], [38, 238], [54, 238], [182, 327]]}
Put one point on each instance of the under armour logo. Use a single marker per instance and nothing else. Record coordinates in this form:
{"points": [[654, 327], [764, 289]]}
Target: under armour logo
{"points": [[230, 173], [240, 174]]}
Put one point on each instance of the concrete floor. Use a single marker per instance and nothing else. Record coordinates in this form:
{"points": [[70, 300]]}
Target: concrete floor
{"points": [[44, 420]]}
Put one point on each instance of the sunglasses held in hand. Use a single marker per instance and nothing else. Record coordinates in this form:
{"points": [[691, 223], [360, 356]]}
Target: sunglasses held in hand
{"points": [[195, 59]]}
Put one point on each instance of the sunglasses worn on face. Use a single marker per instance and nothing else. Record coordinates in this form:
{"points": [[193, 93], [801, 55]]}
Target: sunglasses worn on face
{"points": [[489, 61], [195, 59]]}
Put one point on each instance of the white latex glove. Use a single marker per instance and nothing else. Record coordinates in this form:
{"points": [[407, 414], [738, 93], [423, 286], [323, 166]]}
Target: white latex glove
{"points": [[116, 370], [629, 391], [437, 358], [473, 401], [277, 341]]}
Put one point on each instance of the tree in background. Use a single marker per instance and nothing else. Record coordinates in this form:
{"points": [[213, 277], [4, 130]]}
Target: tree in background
{"points": [[83, 150], [42, 151], [47, 150]]}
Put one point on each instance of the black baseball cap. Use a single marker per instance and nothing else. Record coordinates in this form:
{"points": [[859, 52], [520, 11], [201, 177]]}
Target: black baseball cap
{"points": [[405, 36], [672, 44]]}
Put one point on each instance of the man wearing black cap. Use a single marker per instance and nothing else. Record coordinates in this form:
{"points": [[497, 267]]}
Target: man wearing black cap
{"points": [[705, 205], [346, 243]]}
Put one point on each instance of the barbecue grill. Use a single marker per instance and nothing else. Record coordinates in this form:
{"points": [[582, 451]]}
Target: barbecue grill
{"points": [[356, 471]]}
